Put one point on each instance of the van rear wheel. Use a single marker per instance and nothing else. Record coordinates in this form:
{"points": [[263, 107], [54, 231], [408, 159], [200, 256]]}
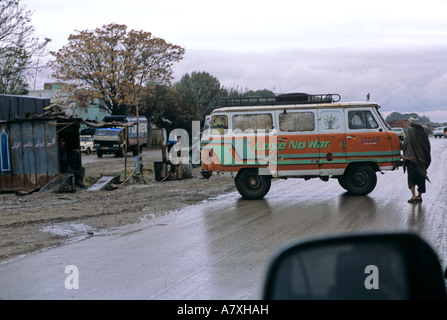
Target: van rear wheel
{"points": [[251, 185], [359, 180]]}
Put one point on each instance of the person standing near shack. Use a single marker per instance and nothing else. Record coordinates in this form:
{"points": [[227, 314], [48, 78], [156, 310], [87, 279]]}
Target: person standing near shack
{"points": [[171, 141], [63, 155], [75, 166], [416, 158]]}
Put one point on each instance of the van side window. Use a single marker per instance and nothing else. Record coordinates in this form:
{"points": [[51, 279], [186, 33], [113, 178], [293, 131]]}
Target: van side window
{"points": [[253, 122], [297, 121], [219, 124], [361, 120]]}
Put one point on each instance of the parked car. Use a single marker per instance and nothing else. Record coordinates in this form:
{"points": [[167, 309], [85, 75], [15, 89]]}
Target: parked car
{"points": [[87, 144], [400, 133], [439, 132]]}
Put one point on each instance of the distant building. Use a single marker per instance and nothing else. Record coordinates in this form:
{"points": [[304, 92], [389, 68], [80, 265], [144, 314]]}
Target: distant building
{"points": [[91, 113], [399, 123], [58, 94], [405, 124]]}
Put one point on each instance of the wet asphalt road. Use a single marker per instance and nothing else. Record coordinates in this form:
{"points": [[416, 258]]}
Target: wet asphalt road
{"points": [[219, 250]]}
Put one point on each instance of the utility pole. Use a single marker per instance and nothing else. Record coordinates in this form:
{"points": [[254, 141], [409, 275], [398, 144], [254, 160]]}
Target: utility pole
{"points": [[138, 121], [138, 159]]}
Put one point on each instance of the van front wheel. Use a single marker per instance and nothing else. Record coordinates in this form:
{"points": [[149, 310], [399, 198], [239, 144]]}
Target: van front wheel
{"points": [[251, 185], [359, 180]]}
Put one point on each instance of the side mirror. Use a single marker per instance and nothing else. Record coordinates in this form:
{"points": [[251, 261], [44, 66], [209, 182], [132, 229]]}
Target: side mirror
{"points": [[357, 267]]}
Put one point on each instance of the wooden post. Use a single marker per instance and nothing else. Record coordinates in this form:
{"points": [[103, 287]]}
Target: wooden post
{"points": [[125, 153]]}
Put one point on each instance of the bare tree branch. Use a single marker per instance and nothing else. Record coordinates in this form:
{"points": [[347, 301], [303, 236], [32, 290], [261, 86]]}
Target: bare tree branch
{"points": [[113, 65], [18, 47]]}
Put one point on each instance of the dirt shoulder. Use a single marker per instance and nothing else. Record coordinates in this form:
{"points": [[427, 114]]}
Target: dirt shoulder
{"points": [[40, 220]]}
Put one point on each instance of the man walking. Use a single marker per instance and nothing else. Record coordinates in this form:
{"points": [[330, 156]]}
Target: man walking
{"points": [[417, 158]]}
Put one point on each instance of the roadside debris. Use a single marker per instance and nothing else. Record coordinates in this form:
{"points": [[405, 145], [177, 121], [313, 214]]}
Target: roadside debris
{"points": [[23, 192], [60, 184], [105, 183]]}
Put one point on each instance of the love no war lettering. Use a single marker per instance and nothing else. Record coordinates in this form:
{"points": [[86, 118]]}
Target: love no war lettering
{"points": [[311, 144]]}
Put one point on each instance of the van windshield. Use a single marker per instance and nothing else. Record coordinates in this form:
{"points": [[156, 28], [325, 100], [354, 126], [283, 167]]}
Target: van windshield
{"points": [[383, 121]]}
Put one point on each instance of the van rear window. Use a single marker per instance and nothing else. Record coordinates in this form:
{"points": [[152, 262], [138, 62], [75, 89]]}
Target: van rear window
{"points": [[219, 124], [297, 121], [262, 122]]}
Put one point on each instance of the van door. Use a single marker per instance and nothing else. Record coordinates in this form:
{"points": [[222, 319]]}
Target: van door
{"points": [[364, 139], [296, 155], [253, 138], [330, 143]]}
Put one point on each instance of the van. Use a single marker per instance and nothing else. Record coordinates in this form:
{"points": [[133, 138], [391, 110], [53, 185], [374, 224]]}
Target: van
{"points": [[298, 135]]}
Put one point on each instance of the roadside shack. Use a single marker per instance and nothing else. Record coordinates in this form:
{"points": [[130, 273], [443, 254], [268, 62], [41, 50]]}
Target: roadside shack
{"points": [[31, 151]]}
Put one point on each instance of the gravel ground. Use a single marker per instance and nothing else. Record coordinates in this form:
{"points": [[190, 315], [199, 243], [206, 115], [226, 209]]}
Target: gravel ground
{"points": [[41, 220]]}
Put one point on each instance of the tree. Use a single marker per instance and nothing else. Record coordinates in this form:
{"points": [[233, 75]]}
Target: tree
{"points": [[169, 108], [113, 65], [258, 93], [17, 47], [13, 64], [234, 93], [182, 110], [393, 116], [205, 87], [156, 100]]}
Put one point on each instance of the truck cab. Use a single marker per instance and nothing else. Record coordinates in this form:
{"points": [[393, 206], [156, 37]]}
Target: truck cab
{"points": [[119, 136]]}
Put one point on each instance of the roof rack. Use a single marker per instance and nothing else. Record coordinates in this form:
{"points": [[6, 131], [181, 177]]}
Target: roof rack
{"points": [[287, 98]]}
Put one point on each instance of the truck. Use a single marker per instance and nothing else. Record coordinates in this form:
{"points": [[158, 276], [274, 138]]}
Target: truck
{"points": [[119, 135]]}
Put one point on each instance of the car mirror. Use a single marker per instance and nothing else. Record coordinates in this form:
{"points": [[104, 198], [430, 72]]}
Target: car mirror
{"points": [[358, 267]]}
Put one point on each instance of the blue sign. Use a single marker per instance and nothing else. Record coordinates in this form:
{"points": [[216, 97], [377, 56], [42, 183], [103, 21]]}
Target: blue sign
{"points": [[4, 150]]}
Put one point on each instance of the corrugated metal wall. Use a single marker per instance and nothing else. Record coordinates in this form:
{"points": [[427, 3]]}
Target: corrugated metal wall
{"points": [[12, 106], [33, 154]]}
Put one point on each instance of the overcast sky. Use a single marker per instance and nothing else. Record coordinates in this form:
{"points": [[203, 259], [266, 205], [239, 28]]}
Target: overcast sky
{"points": [[394, 50]]}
